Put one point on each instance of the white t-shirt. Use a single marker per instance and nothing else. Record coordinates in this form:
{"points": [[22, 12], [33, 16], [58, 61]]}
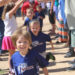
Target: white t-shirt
{"points": [[10, 25]]}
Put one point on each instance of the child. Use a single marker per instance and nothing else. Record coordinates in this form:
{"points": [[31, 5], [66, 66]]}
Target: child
{"points": [[28, 4], [25, 61], [40, 15], [29, 17], [10, 26], [39, 39]]}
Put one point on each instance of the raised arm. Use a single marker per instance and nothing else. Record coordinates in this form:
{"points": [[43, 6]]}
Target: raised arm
{"points": [[17, 4], [3, 2], [52, 4]]}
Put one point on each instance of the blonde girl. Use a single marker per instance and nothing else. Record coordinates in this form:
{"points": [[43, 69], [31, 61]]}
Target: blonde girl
{"points": [[10, 26], [24, 61]]}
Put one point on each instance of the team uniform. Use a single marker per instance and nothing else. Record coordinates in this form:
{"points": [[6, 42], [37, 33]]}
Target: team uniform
{"points": [[27, 65], [39, 42]]}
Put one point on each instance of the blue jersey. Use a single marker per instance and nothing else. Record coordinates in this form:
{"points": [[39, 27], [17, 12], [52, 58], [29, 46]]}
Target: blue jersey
{"points": [[27, 65], [27, 20], [39, 42]]}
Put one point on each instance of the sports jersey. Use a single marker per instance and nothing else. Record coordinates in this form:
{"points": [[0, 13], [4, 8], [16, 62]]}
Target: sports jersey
{"points": [[27, 65], [39, 42]]}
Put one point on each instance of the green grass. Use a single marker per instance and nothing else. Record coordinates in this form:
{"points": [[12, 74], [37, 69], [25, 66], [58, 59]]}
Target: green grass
{"points": [[3, 72]]}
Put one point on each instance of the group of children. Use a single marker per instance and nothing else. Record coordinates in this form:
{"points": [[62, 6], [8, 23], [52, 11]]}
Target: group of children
{"points": [[27, 44]]}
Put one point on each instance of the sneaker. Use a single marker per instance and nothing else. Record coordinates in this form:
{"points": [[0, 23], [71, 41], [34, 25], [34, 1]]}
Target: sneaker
{"points": [[70, 54], [1, 59], [70, 68], [50, 56], [72, 62]]}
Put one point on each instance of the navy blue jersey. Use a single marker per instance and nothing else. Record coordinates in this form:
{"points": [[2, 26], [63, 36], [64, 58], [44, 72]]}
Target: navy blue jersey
{"points": [[39, 42], [38, 14], [27, 65]]}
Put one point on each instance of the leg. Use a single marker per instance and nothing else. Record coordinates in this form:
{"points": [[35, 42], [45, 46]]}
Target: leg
{"points": [[11, 52]]}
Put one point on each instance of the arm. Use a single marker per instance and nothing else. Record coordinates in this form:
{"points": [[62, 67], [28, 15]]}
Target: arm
{"points": [[3, 2], [12, 11], [52, 45], [52, 4], [45, 71]]}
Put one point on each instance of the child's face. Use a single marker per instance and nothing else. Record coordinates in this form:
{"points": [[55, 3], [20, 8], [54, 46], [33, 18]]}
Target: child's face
{"points": [[29, 14], [22, 44], [35, 28]]}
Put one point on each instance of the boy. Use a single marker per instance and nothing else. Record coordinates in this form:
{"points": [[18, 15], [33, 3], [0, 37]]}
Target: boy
{"points": [[39, 39]]}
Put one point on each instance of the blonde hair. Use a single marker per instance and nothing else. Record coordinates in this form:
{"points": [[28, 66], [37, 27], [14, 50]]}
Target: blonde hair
{"points": [[21, 32], [7, 8], [34, 21]]}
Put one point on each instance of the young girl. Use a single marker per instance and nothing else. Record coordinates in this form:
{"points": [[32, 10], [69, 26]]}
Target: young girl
{"points": [[24, 61], [10, 26], [2, 3]]}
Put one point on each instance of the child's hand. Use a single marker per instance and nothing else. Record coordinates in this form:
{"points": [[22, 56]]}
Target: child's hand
{"points": [[11, 72]]}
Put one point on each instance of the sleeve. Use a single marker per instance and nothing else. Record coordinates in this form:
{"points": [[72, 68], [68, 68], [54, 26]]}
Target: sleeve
{"points": [[12, 69], [47, 37], [41, 61], [26, 22]]}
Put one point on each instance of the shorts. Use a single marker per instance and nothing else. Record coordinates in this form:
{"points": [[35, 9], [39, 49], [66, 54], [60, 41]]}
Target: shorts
{"points": [[52, 17], [43, 54]]}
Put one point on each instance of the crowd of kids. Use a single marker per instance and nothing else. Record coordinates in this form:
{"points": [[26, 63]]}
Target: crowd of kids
{"points": [[28, 55], [27, 45]]}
